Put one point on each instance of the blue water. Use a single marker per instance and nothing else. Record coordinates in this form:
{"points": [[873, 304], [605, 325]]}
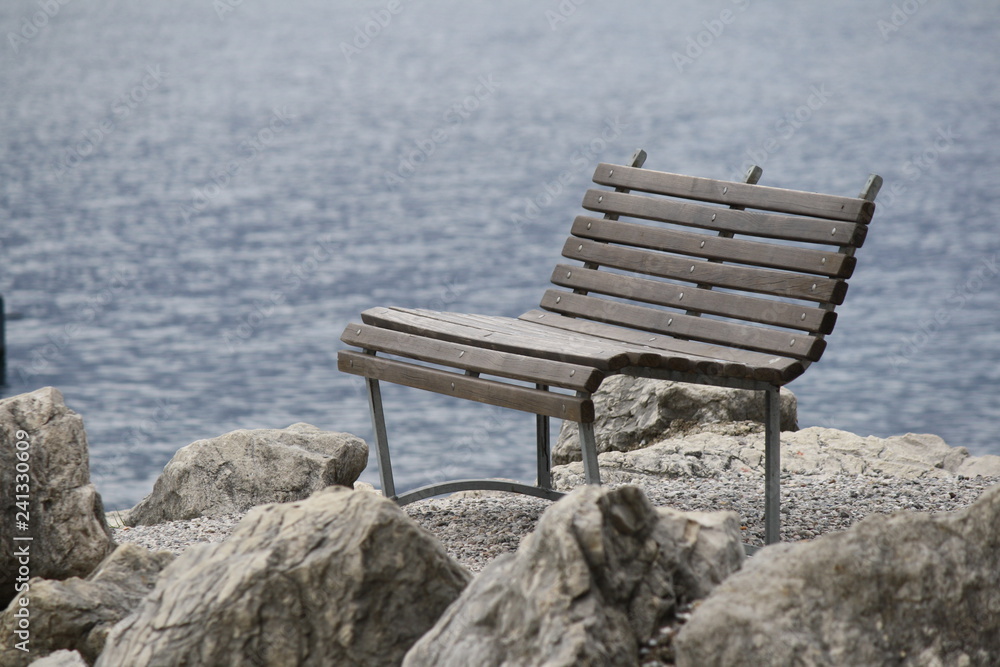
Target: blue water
{"points": [[197, 196]]}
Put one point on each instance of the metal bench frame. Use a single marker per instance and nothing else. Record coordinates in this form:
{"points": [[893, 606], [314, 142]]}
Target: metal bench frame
{"points": [[583, 326]]}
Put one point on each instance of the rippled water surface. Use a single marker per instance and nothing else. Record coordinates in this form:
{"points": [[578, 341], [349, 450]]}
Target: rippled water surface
{"points": [[197, 196]]}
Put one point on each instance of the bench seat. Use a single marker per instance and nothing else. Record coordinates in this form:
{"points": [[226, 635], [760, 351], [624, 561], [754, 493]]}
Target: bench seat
{"points": [[669, 293]]}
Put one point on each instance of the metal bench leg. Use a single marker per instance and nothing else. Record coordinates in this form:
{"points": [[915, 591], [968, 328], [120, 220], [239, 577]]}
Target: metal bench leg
{"points": [[543, 447], [772, 466], [381, 441], [588, 445]]}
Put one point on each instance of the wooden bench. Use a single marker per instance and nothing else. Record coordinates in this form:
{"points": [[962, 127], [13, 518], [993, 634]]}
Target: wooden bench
{"points": [[663, 289]]}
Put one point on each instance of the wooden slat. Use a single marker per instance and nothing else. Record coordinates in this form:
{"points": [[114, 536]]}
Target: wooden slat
{"points": [[725, 304], [796, 202], [789, 258], [717, 359], [476, 389], [744, 336], [731, 221], [603, 358], [468, 358], [763, 281], [635, 355]]}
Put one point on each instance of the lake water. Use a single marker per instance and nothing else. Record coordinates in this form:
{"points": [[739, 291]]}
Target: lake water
{"points": [[196, 196]]}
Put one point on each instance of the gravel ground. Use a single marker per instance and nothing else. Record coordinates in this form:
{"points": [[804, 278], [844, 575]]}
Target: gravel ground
{"points": [[478, 527]]}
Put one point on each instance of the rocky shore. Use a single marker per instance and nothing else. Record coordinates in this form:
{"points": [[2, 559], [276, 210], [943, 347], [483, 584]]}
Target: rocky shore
{"points": [[253, 549]]}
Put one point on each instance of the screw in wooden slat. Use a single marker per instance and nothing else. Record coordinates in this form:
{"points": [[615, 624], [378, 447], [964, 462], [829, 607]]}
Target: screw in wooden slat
{"points": [[600, 199], [589, 225], [558, 299], [691, 270], [461, 354], [681, 297], [579, 247], [823, 261], [572, 373], [713, 217], [791, 343], [725, 189], [611, 173], [569, 274], [803, 316], [652, 339], [670, 321], [359, 332], [453, 386], [833, 231], [701, 245], [813, 288]]}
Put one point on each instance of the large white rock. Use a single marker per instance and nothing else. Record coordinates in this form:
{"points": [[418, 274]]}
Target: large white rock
{"points": [[811, 451], [603, 570], [342, 578], [46, 494], [900, 589], [247, 468], [636, 412]]}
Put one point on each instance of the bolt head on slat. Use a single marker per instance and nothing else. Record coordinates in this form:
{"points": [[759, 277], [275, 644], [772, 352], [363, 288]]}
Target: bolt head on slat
{"points": [[713, 217], [580, 247], [813, 288], [572, 373], [680, 297], [833, 231], [611, 172], [589, 225], [822, 261], [701, 245], [453, 386], [600, 199], [569, 274], [461, 354], [791, 343], [725, 189], [670, 321], [558, 299], [359, 332], [691, 270], [803, 316]]}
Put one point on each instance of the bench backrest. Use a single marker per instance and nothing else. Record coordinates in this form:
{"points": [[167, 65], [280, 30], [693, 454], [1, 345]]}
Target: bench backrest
{"points": [[666, 260]]}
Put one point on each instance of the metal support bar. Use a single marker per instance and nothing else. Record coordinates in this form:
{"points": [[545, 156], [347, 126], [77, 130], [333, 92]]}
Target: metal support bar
{"points": [[588, 446], [543, 447], [772, 465], [381, 441], [477, 485]]}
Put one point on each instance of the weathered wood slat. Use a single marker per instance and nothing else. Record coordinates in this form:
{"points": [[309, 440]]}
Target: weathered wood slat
{"points": [[748, 337], [636, 355], [731, 221], [475, 359], [463, 386], [762, 281], [725, 304], [603, 358], [788, 258], [796, 202], [715, 359]]}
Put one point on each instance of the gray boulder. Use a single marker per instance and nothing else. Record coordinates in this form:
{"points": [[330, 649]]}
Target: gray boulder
{"points": [[247, 468], [899, 589], [46, 494], [77, 614], [342, 578], [739, 446], [600, 574], [636, 412]]}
